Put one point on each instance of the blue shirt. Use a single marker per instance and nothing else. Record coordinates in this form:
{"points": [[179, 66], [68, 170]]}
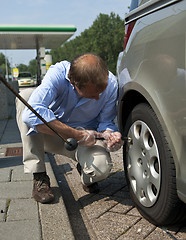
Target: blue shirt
{"points": [[56, 98]]}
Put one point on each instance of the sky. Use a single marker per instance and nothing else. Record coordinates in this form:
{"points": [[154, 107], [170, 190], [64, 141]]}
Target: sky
{"points": [[80, 13]]}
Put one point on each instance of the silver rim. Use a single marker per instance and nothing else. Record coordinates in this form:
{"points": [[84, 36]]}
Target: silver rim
{"points": [[143, 164]]}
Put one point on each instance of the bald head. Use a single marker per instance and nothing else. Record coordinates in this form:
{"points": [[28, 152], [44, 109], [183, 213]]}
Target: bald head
{"points": [[88, 68], [88, 59]]}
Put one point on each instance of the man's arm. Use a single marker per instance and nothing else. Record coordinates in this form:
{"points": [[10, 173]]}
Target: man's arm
{"points": [[83, 137], [109, 111], [64, 130], [42, 97]]}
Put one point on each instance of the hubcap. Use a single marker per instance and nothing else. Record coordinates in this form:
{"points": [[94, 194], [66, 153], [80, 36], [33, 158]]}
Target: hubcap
{"points": [[143, 164]]}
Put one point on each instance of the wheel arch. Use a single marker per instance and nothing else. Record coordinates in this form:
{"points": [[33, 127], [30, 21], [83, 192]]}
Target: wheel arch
{"points": [[127, 103]]}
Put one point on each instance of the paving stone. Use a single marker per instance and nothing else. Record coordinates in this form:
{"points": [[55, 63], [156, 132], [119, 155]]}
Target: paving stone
{"points": [[112, 180], [172, 230], [159, 234], [117, 158], [118, 174], [138, 231], [74, 209], [21, 230], [110, 214], [74, 182], [10, 162], [111, 225], [54, 218], [21, 219], [3, 204], [2, 126], [120, 218], [16, 190], [5, 174], [99, 205], [22, 209], [2, 150], [123, 193], [4, 102], [19, 175], [9, 137], [123, 207], [134, 212], [111, 189], [181, 233], [107, 229]]}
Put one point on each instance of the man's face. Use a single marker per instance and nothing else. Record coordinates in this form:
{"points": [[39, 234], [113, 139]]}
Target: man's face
{"points": [[89, 91]]}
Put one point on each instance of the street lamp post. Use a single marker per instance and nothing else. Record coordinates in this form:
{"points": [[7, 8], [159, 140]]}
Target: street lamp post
{"points": [[6, 64]]}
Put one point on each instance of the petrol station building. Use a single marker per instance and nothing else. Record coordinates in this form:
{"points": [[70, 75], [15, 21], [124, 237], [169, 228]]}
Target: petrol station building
{"points": [[38, 37]]}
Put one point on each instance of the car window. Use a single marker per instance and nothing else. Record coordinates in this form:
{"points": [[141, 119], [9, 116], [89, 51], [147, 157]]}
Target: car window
{"points": [[133, 5], [137, 3], [25, 75], [143, 1]]}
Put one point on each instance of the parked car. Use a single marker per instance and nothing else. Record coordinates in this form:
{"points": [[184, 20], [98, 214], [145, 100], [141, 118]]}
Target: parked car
{"points": [[25, 79], [152, 108]]}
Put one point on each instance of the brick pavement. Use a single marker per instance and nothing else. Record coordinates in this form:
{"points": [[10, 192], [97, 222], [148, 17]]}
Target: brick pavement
{"points": [[21, 217], [110, 214]]}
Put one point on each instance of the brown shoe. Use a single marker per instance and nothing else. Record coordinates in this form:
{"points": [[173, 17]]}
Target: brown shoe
{"points": [[41, 188], [93, 188]]}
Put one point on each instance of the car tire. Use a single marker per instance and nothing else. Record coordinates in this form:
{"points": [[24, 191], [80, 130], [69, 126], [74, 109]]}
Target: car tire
{"points": [[150, 169]]}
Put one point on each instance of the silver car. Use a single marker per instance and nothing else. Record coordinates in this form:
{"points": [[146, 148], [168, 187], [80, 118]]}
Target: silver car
{"points": [[152, 108]]}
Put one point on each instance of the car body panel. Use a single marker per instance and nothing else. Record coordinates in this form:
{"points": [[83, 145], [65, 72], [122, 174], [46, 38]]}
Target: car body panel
{"points": [[154, 67]]}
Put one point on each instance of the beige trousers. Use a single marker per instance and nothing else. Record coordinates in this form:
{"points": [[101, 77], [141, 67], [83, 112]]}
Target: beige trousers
{"points": [[95, 161]]}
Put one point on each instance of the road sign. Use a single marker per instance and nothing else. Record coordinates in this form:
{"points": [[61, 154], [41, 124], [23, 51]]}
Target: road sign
{"points": [[15, 72]]}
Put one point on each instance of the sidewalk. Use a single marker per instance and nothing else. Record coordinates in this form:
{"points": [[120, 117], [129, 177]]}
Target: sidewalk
{"points": [[21, 217], [109, 215]]}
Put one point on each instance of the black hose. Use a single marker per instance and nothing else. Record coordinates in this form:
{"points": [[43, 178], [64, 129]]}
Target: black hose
{"points": [[31, 108]]}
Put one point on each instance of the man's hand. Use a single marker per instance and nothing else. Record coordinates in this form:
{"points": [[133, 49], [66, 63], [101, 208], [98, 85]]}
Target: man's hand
{"points": [[88, 138], [113, 140]]}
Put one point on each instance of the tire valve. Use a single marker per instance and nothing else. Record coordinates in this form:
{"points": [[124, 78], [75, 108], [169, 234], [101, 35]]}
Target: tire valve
{"points": [[127, 139]]}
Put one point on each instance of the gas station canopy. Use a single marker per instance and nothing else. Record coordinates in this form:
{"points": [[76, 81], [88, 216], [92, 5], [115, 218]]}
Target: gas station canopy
{"points": [[34, 36], [39, 37]]}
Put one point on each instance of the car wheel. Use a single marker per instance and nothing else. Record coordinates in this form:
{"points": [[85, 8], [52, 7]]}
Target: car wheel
{"points": [[149, 168]]}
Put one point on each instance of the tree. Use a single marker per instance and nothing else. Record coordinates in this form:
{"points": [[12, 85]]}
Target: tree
{"points": [[108, 33], [3, 64], [22, 67], [2, 58], [32, 67], [104, 37]]}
